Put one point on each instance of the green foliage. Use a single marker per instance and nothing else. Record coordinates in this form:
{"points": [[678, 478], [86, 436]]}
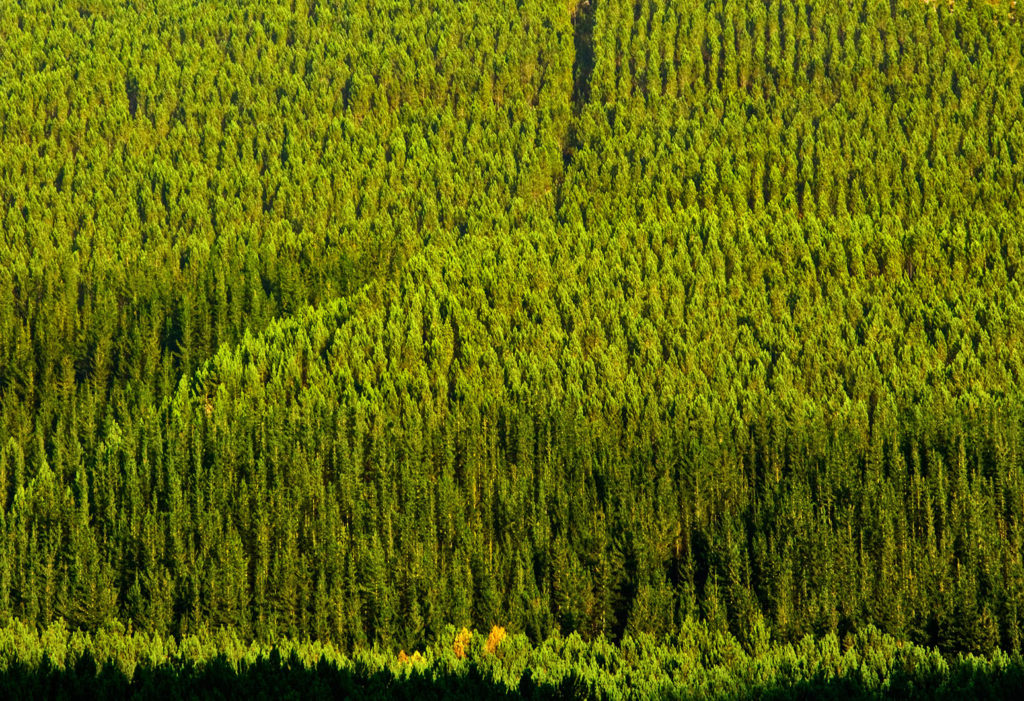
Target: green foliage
{"points": [[356, 321], [697, 664]]}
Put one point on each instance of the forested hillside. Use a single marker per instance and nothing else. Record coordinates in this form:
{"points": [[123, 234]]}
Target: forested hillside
{"points": [[358, 320], [698, 664]]}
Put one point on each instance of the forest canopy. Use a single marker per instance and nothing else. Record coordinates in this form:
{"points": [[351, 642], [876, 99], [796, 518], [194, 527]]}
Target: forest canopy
{"points": [[355, 321]]}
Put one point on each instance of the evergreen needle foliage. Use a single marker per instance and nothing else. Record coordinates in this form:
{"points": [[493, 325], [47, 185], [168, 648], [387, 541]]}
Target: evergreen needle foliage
{"points": [[366, 322], [697, 663]]}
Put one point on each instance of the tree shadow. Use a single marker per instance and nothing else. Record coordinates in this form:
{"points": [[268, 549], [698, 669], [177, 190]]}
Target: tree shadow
{"points": [[290, 678], [267, 678]]}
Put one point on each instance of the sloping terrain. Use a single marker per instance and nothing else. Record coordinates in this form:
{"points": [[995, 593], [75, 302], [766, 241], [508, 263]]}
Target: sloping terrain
{"points": [[590, 321]]}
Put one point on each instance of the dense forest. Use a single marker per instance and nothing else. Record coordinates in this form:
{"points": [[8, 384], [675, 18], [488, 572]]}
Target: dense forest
{"points": [[351, 322], [53, 662]]}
